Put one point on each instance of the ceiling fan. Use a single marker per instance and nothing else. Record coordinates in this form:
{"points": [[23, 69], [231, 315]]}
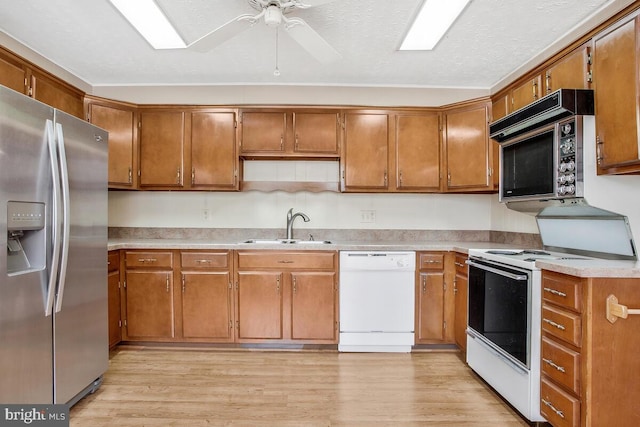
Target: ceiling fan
{"points": [[273, 12]]}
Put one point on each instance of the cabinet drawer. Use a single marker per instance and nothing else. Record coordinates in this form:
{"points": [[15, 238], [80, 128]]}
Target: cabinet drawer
{"points": [[461, 264], [428, 261], [562, 324], [149, 259], [562, 290], [560, 408], [288, 260], [113, 261], [561, 364], [204, 259]]}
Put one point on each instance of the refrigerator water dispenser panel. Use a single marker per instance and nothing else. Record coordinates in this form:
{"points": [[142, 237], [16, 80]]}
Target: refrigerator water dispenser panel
{"points": [[26, 237]]}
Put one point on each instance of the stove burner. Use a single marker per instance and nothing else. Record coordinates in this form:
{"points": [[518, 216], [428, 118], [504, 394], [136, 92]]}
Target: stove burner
{"points": [[497, 252], [535, 252]]}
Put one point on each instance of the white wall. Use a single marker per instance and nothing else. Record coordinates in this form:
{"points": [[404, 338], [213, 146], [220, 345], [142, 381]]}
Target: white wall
{"points": [[327, 210]]}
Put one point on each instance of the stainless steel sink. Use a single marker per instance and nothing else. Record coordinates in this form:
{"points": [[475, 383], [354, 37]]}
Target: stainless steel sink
{"points": [[287, 242]]}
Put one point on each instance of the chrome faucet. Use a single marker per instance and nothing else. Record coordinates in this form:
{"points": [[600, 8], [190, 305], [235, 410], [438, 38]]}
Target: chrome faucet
{"points": [[290, 218]]}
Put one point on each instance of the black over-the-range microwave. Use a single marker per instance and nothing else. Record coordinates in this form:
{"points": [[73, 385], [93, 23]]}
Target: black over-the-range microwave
{"points": [[541, 155]]}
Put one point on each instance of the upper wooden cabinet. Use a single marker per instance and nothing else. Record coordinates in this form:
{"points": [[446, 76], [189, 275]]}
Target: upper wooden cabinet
{"points": [[615, 77], [12, 72], [21, 76], [161, 148], [295, 133], [119, 120], [469, 156], [365, 156], [214, 159], [526, 92], [417, 152], [572, 71]]}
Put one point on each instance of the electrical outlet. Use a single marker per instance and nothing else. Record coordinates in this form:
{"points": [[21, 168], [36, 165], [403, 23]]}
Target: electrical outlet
{"points": [[368, 216], [206, 215]]}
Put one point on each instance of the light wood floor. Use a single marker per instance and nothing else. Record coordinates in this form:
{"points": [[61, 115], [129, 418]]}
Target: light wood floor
{"points": [[178, 387]]}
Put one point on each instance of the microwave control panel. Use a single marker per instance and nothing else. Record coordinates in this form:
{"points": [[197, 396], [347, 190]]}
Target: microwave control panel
{"points": [[567, 159]]}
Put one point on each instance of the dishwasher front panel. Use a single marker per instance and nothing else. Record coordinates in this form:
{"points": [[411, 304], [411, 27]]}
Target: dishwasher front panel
{"points": [[377, 301]]}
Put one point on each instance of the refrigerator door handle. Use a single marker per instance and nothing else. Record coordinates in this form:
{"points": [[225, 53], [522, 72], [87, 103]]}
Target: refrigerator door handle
{"points": [[64, 174], [55, 219]]}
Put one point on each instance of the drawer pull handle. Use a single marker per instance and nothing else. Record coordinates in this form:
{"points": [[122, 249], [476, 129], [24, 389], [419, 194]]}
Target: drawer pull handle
{"points": [[615, 310], [554, 292], [147, 260], [553, 365], [547, 403], [203, 261], [554, 324], [430, 261], [285, 262], [459, 264]]}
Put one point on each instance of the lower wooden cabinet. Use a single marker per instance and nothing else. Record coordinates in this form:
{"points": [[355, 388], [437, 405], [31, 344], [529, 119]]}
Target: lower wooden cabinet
{"points": [[434, 298], [193, 296], [460, 290], [205, 297], [589, 365], [286, 296], [113, 299]]}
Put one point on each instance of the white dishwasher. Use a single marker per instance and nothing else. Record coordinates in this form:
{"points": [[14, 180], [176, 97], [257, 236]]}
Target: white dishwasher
{"points": [[377, 301]]}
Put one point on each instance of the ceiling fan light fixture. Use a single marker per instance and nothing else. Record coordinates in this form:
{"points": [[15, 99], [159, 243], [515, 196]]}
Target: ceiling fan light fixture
{"points": [[273, 16], [432, 22], [150, 21]]}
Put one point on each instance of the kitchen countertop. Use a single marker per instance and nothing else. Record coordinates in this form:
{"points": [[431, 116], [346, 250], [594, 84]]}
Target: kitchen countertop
{"points": [[579, 268]]}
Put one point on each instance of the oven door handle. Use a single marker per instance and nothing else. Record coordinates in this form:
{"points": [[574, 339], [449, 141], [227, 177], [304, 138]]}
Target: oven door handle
{"points": [[498, 271]]}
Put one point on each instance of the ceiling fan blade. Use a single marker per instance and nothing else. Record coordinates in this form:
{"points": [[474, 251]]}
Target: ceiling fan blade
{"points": [[311, 41], [222, 33]]}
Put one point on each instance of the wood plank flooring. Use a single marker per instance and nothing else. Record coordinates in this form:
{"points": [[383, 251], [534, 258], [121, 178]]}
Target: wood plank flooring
{"points": [[204, 387]]}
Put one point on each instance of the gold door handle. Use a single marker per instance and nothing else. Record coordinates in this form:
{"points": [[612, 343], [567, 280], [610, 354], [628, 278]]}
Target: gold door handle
{"points": [[178, 176]]}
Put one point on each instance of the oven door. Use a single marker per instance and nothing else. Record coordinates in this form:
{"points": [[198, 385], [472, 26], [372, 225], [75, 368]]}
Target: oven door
{"points": [[500, 308]]}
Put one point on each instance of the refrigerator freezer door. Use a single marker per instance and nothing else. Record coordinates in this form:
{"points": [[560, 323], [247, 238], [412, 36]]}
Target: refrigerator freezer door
{"points": [[81, 342], [26, 371]]}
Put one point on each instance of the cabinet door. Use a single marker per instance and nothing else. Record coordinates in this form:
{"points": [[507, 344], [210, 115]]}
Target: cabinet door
{"points": [[12, 73], [315, 132], [55, 93], [149, 301], [113, 292], [499, 108], [161, 148], [571, 72], [313, 306], [366, 153], [526, 93], [616, 97], [206, 305], [214, 161], [460, 322], [263, 132], [430, 307], [468, 154], [120, 124], [260, 300], [418, 152]]}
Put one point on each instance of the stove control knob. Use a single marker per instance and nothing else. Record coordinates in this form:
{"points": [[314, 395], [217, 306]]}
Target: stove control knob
{"points": [[562, 167], [571, 165], [571, 189], [562, 179], [571, 178]]}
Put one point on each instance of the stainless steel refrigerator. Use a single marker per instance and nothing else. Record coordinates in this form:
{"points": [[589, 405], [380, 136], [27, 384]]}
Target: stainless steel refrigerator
{"points": [[53, 274]]}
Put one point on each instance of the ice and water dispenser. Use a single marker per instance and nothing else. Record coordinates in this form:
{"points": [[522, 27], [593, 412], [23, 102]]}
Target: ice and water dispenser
{"points": [[26, 239]]}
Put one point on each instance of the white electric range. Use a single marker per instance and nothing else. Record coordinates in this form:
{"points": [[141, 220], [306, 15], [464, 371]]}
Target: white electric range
{"points": [[503, 333]]}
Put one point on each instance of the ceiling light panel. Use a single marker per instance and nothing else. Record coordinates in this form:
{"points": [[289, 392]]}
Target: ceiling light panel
{"points": [[432, 22], [151, 22]]}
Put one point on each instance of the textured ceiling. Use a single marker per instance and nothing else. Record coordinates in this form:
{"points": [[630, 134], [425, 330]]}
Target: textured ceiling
{"points": [[491, 39]]}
